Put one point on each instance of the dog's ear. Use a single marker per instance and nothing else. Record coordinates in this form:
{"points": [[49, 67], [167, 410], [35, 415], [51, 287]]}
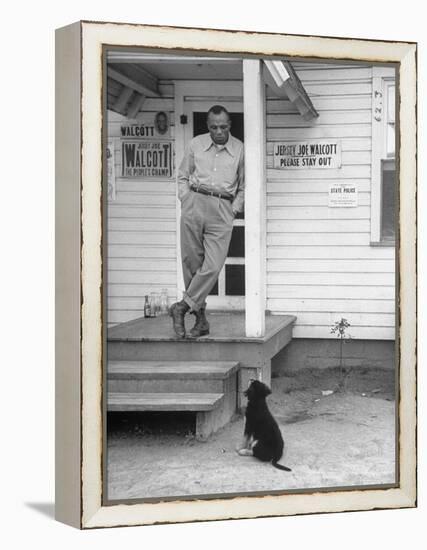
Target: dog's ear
{"points": [[267, 390], [262, 389]]}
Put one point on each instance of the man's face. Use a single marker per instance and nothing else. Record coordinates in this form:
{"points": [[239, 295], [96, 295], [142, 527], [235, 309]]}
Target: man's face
{"points": [[219, 127]]}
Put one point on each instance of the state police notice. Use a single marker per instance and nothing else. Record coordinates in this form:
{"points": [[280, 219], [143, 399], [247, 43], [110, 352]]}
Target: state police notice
{"points": [[146, 159]]}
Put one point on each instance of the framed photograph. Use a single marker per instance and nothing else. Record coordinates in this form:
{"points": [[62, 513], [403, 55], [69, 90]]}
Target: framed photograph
{"points": [[236, 274]]}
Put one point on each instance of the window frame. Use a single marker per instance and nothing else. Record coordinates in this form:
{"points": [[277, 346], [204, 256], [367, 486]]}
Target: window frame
{"points": [[382, 79]]}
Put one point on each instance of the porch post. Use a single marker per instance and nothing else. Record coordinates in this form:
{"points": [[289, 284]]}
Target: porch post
{"points": [[255, 197]]}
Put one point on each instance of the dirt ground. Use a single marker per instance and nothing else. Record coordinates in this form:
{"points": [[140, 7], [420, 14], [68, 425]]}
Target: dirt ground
{"points": [[340, 439]]}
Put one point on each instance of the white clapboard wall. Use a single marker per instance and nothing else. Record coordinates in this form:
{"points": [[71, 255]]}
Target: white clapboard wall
{"points": [[141, 226], [320, 265]]}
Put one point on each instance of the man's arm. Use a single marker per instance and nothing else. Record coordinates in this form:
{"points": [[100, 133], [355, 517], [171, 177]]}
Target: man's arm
{"points": [[185, 170], [239, 199]]}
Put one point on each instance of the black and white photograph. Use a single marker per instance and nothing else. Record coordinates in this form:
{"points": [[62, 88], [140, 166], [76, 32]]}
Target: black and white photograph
{"points": [[250, 285], [213, 275], [236, 267]]}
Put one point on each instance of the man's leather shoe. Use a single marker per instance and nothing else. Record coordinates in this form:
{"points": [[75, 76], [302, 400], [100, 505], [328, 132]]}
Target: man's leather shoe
{"points": [[177, 311], [201, 327]]}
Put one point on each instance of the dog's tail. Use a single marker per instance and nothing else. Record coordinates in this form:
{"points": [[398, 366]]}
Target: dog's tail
{"points": [[280, 467]]}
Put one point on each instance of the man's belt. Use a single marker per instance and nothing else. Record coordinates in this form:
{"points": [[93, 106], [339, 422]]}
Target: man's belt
{"points": [[212, 193]]}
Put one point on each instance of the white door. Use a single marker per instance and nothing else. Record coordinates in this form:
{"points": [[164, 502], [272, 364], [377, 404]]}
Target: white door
{"points": [[229, 292]]}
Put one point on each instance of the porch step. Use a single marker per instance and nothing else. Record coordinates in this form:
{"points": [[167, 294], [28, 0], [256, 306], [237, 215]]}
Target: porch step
{"points": [[171, 376], [170, 369], [209, 388], [120, 401], [212, 409]]}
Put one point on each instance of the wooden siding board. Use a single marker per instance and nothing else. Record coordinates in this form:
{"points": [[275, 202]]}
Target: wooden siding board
{"points": [[135, 224], [144, 199], [352, 173], [287, 120], [316, 198], [289, 186], [141, 264], [316, 89], [330, 305], [300, 239], [330, 265], [146, 278], [327, 73], [331, 131], [307, 65], [350, 86], [330, 292], [330, 252], [318, 213], [142, 238], [140, 251], [323, 103], [349, 225], [153, 211], [325, 278], [121, 291], [138, 186]]}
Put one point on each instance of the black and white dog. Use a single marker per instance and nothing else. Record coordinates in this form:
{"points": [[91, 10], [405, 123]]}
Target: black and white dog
{"points": [[263, 438]]}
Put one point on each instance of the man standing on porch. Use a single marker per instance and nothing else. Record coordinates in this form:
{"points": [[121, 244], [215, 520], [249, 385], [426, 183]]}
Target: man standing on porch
{"points": [[211, 191]]}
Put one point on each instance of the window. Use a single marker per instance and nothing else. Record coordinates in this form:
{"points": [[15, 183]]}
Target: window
{"points": [[388, 202], [384, 188]]}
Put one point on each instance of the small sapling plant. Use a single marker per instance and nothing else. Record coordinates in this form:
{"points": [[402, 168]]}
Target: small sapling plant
{"points": [[339, 328]]}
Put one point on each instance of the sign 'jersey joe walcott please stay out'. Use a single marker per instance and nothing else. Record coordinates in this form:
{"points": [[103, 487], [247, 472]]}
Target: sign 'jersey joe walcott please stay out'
{"points": [[307, 154]]}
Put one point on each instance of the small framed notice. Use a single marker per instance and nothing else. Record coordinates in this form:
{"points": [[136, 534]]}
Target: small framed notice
{"points": [[342, 195]]}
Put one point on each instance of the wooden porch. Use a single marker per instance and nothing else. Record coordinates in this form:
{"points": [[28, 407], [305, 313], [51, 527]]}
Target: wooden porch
{"points": [[153, 339], [150, 368]]}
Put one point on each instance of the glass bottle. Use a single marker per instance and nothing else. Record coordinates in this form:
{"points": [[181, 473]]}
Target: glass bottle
{"points": [[154, 304], [164, 301], [147, 307]]}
